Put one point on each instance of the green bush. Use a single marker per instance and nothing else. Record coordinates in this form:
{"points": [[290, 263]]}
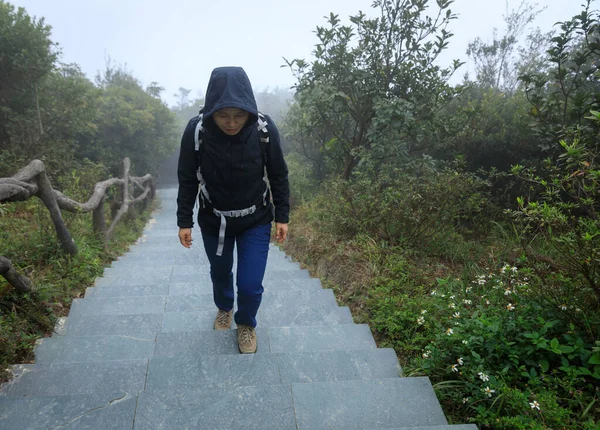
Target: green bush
{"points": [[420, 205], [504, 358], [565, 215]]}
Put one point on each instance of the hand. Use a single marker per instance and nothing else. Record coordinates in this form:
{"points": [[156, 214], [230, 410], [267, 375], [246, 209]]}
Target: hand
{"points": [[281, 231], [185, 237]]}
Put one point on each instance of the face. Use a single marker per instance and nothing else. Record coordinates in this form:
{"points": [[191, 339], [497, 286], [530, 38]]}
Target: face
{"points": [[231, 120]]}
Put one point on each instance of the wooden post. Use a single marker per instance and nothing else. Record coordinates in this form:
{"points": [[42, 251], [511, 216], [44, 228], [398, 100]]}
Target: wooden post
{"points": [[99, 221], [46, 194], [125, 205]]}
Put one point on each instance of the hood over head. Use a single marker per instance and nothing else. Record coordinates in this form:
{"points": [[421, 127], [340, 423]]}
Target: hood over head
{"points": [[229, 87]]}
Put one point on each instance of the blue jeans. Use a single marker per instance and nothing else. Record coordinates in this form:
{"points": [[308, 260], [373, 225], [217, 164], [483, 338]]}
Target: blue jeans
{"points": [[252, 252]]}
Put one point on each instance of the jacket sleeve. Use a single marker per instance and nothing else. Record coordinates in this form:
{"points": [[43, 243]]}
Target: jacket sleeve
{"points": [[186, 174], [277, 173]]}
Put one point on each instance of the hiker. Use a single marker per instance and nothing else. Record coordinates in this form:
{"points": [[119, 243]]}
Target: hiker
{"points": [[230, 156]]}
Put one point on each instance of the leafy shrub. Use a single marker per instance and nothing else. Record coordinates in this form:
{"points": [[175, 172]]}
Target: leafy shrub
{"points": [[502, 357], [421, 205]]}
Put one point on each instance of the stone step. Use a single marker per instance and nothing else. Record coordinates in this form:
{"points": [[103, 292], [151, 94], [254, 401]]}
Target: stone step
{"points": [[213, 371], [379, 404], [266, 407], [203, 285], [270, 369], [199, 266], [385, 403], [128, 260], [202, 321], [319, 314], [129, 278], [140, 273], [293, 302], [118, 306], [127, 291], [286, 274], [202, 343], [75, 412], [140, 325], [341, 365], [85, 349], [321, 338], [271, 339], [271, 272], [60, 379]]}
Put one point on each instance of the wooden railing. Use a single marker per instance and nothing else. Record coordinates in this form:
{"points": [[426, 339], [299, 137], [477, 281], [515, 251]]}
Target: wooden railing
{"points": [[32, 181]]}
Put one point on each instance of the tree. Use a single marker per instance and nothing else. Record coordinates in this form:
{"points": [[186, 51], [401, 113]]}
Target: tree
{"points": [[133, 123], [563, 94], [495, 63], [375, 81], [183, 96], [26, 55]]}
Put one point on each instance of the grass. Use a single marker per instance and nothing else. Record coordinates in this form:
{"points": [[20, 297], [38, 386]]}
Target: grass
{"points": [[28, 239]]}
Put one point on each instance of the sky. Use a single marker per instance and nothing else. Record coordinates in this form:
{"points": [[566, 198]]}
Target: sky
{"points": [[177, 43]]}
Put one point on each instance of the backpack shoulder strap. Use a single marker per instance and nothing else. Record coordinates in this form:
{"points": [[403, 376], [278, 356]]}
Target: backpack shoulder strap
{"points": [[263, 134], [198, 132]]}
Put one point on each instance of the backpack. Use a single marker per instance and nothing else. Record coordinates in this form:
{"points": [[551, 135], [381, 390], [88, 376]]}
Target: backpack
{"points": [[263, 134]]}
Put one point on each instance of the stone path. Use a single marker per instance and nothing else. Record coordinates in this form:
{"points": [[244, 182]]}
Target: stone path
{"points": [[139, 352]]}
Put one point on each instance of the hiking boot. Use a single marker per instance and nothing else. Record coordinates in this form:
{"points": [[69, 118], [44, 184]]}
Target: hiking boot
{"points": [[246, 339], [223, 320]]}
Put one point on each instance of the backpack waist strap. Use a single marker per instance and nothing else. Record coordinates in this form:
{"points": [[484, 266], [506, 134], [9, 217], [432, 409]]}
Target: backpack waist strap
{"points": [[233, 214]]}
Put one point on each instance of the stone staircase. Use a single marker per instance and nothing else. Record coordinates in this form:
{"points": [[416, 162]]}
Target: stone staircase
{"points": [[139, 352]]}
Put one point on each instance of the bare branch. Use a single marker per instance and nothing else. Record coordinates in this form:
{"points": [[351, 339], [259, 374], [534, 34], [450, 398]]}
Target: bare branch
{"points": [[20, 282]]}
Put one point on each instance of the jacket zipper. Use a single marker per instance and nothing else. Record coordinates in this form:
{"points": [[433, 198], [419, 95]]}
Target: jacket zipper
{"points": [[229, 161]]}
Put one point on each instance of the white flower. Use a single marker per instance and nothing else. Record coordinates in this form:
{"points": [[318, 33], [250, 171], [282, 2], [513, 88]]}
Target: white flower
{"points": [[465, 399], [456, 323], [451, 305], [503, 270], [513, 269], [481, 282], [433, 293], [465, 342], [507, 292], [510, 307], [456, 315], [483, 377], [468, 289], [535, 405], [449, 332], [577, 310], [455, 368], [421, 321], [563, 307], [452, 297], [467, 302], [424, 311], [487, 302], [489, 392], [426, 354], [460, 361]]}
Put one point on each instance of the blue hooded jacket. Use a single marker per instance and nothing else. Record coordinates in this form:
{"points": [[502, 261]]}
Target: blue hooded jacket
{"points": [[232, 166], [229, 87]]}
